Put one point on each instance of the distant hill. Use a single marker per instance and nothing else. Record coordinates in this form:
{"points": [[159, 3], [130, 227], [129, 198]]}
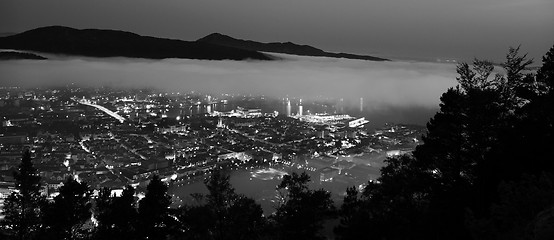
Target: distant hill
{"points": [[111, 43], [11, 55], [5, 34], [287, 47]]}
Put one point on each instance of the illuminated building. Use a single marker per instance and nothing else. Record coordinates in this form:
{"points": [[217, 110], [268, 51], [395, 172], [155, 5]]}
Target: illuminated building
{"points": [[300, 108], [325, 118], [288, 108], [357, 123], [327, 174]]}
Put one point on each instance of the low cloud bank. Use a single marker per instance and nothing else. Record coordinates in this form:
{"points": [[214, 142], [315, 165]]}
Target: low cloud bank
{"points": [[383, 85]]}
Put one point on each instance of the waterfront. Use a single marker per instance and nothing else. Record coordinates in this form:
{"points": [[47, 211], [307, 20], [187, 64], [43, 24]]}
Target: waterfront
{"points": [[260, 183]]}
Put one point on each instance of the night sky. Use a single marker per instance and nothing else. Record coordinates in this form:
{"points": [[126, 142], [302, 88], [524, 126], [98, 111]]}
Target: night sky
{"points": [[399, 29]]}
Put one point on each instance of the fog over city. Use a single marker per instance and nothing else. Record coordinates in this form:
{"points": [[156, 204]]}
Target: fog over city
{"points": [[382, 85]]}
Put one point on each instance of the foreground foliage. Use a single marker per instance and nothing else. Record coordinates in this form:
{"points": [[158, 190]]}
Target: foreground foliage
{"points": [[23, 207], [483, 172]]}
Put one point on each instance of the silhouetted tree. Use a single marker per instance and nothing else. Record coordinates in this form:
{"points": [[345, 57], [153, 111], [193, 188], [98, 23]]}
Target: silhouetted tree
{"points": [[301, 211], [391, 209], [197, 222], [115, 215], [461, 150], [69, 216], [221, 196], [545, 75], [245, 219], [225, 215], [524, 141], [22, 208], [485, 128], [519, 204], [124, 214], [519, 86], [153, 211], [103, 214], [351, 218]]}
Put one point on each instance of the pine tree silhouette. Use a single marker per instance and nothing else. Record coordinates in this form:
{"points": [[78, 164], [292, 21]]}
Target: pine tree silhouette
{"points": [[22, 208]]}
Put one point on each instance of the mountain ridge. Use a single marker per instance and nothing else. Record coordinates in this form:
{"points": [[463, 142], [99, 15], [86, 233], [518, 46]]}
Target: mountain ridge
{"points": [[13, 55], [280, 47], [116, 43]]}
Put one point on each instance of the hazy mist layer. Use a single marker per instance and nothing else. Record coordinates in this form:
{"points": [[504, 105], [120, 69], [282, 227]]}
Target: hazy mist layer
{"points": [[384, 86]]}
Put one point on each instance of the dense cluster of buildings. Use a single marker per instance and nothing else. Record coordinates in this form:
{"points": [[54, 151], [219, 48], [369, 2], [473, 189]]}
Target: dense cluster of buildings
{"points": [[113, 138]]}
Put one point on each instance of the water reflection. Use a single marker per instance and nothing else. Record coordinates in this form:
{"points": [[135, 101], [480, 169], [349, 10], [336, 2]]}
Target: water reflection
{"points": [[260, 184]]}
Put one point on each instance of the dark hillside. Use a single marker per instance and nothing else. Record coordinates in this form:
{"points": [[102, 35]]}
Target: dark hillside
{"points": [[111, 43]]}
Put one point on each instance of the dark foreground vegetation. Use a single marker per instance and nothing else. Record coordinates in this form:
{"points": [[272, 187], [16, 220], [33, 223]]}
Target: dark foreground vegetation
{"points": [[485, 171]]}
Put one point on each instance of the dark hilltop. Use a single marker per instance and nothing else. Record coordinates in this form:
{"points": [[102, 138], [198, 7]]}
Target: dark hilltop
{"points": [[13, 55], [276, 47], [112, 43]]}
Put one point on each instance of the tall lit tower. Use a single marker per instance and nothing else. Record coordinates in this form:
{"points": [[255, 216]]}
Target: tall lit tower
{"points": [[220, 123], [300, 108], [361, 104], [288, 108]]}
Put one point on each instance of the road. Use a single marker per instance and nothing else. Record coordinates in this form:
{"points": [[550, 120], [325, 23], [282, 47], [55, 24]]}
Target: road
{"points": [[108, 111]]}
